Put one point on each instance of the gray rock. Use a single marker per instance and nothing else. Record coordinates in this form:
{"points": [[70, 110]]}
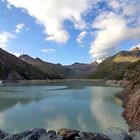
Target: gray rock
{"points": [[51, 133], [91, 136], [34, 134], [2, 134], [115, 133], [135, 135], [54, 138]]}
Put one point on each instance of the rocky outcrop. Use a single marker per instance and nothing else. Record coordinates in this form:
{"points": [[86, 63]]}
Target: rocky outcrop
{"points": [[69, 134], [131, 103]]}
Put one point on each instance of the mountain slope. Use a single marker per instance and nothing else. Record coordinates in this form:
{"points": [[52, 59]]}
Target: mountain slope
{"points": [[124, 65], [12, 68], [54, 70], [76, 70]]}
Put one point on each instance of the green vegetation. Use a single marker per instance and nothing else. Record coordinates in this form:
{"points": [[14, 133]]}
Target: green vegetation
{"points": [[110, 69]]}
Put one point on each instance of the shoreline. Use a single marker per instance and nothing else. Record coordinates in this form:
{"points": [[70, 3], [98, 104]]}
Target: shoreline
{"points": [[131, 104], [113, 133]]}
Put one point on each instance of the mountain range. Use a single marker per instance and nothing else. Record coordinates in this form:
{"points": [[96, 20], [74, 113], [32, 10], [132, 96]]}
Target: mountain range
{"points": [[123, 65], [25, 67]]}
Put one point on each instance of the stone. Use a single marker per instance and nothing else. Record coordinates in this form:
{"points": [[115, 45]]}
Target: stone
{"points": [[51, 133], [68, 134], [34, 134], [135, 135], [3, 134], [115, 133], [91, 136]]}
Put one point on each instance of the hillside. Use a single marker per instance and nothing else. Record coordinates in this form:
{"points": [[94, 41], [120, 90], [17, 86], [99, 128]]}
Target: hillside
{"points": [[124, 65], [12, 68], [54, 70], [76, 70]]}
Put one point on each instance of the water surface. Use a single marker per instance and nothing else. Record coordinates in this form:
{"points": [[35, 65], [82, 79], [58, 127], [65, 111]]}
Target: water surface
{"points": [[74, 105]]}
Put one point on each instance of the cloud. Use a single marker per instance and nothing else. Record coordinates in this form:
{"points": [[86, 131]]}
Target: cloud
{"points": [[112, 29], [5, 37], [17, 54], [81, 37], [48, 51], [20, 27], [114, 4], [53, 13], [131, 9]]}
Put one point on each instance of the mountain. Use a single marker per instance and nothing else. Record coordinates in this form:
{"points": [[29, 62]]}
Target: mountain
{"points": [[124, 65], [13, 68], [76, 70], [53, 70], [81, 70]]}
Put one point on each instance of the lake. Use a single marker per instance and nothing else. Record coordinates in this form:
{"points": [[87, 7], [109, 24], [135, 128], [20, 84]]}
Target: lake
{"points": [[76, 105]]}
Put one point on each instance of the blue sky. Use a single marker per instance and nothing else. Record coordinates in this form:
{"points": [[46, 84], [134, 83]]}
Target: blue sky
{"points": [[65, 32]]}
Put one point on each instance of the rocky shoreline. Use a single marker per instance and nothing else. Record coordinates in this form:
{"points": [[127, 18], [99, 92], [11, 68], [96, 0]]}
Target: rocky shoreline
{"points": [[131, 103], [69, 134]]}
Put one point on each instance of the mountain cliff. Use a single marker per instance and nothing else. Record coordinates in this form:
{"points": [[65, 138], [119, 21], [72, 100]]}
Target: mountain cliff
{"points": [[124, 65]]}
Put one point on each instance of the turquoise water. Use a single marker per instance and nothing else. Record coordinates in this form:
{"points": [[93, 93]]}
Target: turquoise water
{"points": [[89, 107]]}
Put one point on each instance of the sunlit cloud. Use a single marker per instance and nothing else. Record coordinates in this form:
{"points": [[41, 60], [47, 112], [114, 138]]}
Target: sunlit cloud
{"points": [[5, 38], [52, 14], [19, 27], [112, 29], [81, 36], [48, 50]]}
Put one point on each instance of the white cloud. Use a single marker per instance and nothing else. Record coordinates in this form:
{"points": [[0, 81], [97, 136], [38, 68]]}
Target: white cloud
{"points": [[114, 4], [48, 51], [131, 9], [17, 54], [81, 37], [53, 13], [19, 27], [111, 30], [5, 37]]}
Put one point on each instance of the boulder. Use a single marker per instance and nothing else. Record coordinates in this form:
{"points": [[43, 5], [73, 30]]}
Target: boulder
{"points": [[68, 134], [91, 136], [34, 134], [135, 135], [51, 135], [115, 133], [2, 134]]}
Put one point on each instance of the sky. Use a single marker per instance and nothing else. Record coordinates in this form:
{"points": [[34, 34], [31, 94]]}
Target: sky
{"points": [[68, 31]]}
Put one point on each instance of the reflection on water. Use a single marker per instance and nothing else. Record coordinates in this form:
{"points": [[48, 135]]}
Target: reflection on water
{"points": [[91, 108]]}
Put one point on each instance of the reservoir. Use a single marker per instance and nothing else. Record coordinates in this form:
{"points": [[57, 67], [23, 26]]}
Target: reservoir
{"points": [[76, 105]]}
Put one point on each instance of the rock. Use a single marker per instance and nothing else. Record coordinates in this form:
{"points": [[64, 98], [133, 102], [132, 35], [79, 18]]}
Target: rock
{"points": [[91, 136], [34, 134], [53, 138], [2, 134], [135, 135], [68, 134], [115, 133], [51, 135]]}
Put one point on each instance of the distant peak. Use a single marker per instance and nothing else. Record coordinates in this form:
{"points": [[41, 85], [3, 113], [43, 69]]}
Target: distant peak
{"points": [[24, 55], [38, 59]]}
